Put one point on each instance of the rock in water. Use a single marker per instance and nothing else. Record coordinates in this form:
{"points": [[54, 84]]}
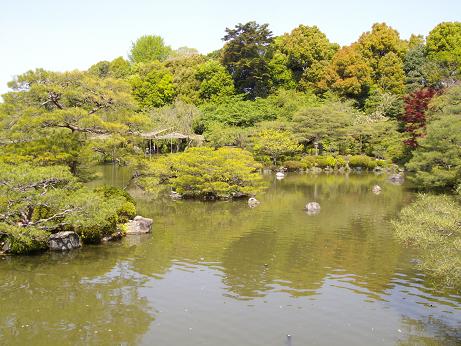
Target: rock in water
{"points": [[118, 235], [175, 195], [5, 247], [376, 189], [312, 208], [140, 225], [397, 179], [64, 241], [253, 202]]}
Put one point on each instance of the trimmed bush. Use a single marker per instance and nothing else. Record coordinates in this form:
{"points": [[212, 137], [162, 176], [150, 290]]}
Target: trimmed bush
{"points": [[293, 166], [205, 173]]}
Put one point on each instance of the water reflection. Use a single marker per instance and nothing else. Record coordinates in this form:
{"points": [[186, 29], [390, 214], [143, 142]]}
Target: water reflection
{"points": [[66, 299], [215, 272]]}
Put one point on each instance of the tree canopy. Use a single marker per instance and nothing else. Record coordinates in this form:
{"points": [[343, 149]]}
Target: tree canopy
{"points": [[246, 55], [149, 48]]}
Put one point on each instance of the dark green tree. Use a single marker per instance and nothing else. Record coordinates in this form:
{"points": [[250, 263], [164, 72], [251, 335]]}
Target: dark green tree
{"points": [[246, 55]]}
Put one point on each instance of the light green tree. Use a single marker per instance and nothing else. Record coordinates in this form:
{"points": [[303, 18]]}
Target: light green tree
{"points": [[348, 74], [444, 46], [205, 173], [275, 144], [215, 81], [149, 48], [184, 70], [51, 118], [152, 85], [306, 47], [384, 51]]}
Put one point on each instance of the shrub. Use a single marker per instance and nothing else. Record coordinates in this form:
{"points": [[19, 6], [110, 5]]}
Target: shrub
{"points": [[205, 173], [275, 144], [294, 165], [363, 161], [309, 161], [325, 161], [25, 240], [432, 224], [126, 212], [340, 161]]}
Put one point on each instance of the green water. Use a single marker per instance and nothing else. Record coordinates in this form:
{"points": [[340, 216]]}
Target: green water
{"points": [[220, 273]]}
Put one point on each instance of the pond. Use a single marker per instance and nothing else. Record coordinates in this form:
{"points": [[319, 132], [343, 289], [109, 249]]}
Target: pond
{"points": [[221, 273]]}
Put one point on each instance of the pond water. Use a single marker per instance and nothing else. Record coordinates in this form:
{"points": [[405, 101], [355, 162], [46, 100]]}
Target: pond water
{"points": [[221, 273]]}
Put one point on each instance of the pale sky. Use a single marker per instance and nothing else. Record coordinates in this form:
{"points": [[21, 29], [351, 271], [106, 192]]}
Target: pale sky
{"points": [[74, 34]]}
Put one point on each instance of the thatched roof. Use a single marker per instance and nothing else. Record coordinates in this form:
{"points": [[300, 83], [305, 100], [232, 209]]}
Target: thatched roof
{"points": [[173, 135]]}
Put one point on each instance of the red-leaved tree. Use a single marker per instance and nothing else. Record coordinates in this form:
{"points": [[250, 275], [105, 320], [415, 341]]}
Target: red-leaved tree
{"points": [[414, 118]]}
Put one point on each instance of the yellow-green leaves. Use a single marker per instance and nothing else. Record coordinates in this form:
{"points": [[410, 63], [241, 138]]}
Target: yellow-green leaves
{"points": [[205, 173], [275, 144]]}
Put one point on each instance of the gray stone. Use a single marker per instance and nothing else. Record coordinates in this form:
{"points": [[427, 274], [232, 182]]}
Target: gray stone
{"points": [[312, 208], [64, 241], [175, 195], [397, 179], [5, 247], [253, 202], [140, 225], [316, 170], [376, 189], [113, 237]]}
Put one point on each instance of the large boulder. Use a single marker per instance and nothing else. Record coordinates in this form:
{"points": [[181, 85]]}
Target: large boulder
{"points": [[64, 241], [139, 225]]}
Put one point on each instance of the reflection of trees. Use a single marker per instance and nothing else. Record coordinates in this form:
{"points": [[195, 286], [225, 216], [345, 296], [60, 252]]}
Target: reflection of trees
{"points": [[82, 298], [440, 333], [350, 234], [277, 244]]}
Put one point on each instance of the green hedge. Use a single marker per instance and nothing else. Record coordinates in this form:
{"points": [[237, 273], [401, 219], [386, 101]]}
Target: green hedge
{"points": [[334, 162]]}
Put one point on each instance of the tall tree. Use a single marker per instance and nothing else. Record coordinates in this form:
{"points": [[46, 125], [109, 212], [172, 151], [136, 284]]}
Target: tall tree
{"points": [[214, 79], [152, 85], [149, 48], [384, 51], [307, 49], [184, 70], [246, 55], [349, 74], [50, 118], [390, 76], [444, 46]]}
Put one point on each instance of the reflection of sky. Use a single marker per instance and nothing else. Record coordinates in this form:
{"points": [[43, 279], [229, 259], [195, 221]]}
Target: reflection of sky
{"points": [[195, 308]]}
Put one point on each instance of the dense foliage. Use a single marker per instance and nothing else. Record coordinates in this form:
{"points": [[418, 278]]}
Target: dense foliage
{"points": [[436, 162], [432, 223], [38, 201], [205, 173]]}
